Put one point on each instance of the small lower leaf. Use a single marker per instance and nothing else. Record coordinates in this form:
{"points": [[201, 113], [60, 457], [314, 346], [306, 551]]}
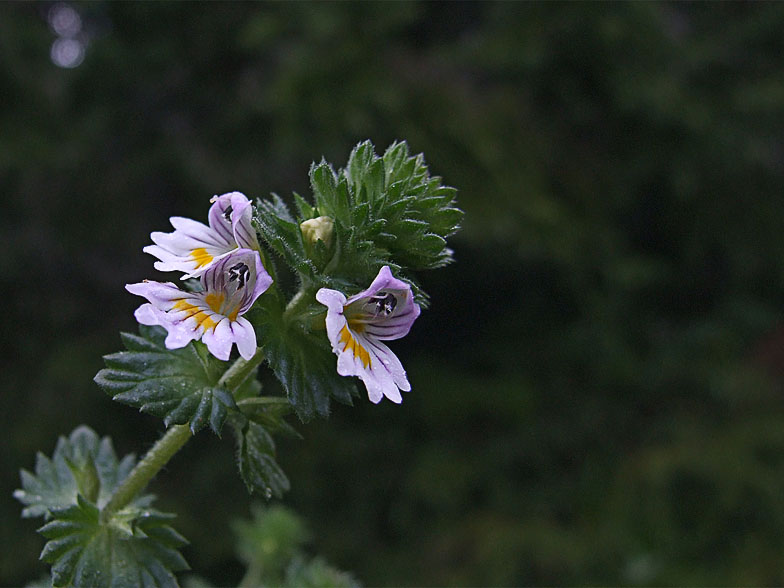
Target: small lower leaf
{"points": [[82, 463], [256, 461], [135, 547], [85, 551]]}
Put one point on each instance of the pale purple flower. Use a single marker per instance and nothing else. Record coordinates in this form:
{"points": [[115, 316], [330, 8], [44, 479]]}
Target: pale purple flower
{"points": [[356, 327], [193, 246], [230, 287]]}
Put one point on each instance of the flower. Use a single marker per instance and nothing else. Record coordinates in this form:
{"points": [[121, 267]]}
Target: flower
{"points": [[356, 327], [193, 246], [229, 288], [318, 229]]}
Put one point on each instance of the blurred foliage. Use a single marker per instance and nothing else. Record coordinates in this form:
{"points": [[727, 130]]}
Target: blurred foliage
{"points": [[597, 386], [271, 545]]}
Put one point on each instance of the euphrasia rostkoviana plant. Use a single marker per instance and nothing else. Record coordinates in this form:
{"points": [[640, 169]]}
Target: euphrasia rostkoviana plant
{"points": [[315, 293]]}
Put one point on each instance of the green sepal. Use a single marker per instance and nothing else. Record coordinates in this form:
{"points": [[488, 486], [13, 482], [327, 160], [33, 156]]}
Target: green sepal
{"points": [[81, 464], [256, 460], [177, 385], [134, 547], [305, 210], [278, 229]]}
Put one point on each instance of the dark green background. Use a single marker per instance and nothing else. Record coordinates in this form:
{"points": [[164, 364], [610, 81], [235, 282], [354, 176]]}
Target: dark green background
{"points": [[597, 388]]}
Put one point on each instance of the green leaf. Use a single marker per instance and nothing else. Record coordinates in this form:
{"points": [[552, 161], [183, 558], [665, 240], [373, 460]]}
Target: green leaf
{"points": [[365, 173], [135, 547], [178, 385], [307, 369], [301, 360], [270, 540], [256, 461], [323, 181], [305, 210], [82, 463], [388, 210], [317, 573], [269, 411], [272, 547]]}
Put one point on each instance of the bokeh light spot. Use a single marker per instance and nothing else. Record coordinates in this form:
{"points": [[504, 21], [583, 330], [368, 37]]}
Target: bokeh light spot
{"points": [[64, 20], [68, 53]]}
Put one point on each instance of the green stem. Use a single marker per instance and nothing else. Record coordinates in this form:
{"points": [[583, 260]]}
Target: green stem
{"points": [[262, 400], [176, 436], [145, 470], [300, 299], [239, 371]]}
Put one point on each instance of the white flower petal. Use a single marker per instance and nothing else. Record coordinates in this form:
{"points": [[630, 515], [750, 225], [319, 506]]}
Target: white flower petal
{"points": [[179, 335], [161, 295], [187, 228], [385, 359], [192, 248], [245, 337], [147, 314], [219, 339], [334, 302]]}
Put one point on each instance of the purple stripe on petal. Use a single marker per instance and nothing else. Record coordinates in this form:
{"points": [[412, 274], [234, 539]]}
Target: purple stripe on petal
{"points": [[217, 217]]}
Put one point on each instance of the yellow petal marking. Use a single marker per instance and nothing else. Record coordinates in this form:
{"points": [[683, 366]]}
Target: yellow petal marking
{"points": [[214, 301], [201, 257], [356, 325], [356, 349], [202, 318]]}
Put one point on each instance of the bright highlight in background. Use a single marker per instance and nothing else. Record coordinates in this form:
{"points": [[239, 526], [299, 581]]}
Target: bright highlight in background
{"points": [[68, 49], [67, 53], [64, 20]]}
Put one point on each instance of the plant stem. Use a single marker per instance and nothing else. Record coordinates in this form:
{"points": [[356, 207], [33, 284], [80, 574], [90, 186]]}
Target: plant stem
{"points": [[262, 400], [299, 303], [299, 299], [239, 371], [145, 470], [176, 436]]}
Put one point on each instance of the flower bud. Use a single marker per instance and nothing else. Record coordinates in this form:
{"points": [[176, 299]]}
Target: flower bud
{"points": [[318, 229]]}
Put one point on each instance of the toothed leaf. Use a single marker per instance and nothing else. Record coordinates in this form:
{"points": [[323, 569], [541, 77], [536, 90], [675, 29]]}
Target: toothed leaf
{"points": [[83, 464], [178, 385], [134, 547], [301, 360], [256, 461]]}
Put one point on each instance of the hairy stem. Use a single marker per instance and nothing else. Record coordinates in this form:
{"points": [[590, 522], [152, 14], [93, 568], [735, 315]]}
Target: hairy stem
{"points": [[300, 299], [176, 436], [262, 400], [145, 470], [239, 371]]}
